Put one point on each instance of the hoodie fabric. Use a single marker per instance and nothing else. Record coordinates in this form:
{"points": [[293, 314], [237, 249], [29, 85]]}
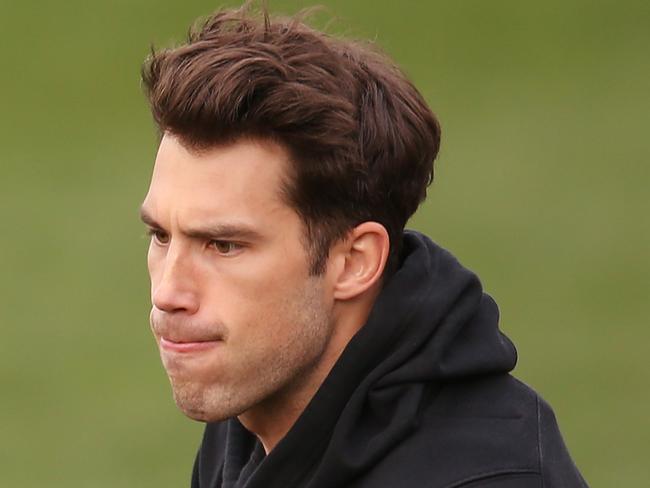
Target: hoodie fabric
{"points": [[420, 397]]}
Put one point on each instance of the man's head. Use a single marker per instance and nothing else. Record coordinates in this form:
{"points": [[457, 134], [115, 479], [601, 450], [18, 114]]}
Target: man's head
{"points": [[289, 164], [360, 137]]}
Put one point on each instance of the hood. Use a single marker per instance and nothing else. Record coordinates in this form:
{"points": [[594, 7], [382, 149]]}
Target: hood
{"points": [[431, 324]]}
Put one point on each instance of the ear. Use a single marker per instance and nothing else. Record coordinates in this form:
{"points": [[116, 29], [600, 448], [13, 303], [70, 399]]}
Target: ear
{"points": [[363, 254]]}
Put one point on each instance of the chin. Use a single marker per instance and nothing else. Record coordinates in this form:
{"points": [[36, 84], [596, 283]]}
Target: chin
{"points": [[196, 413], [199, 411], [203, 405]]}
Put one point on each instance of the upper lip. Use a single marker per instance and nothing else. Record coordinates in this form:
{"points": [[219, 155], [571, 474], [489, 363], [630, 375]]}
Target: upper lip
{"points": [[179, 332], [181, 340]]}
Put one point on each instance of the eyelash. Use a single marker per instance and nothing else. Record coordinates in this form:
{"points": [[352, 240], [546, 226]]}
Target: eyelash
{"points": [[234, 247], [161, 239], [156, 234]]}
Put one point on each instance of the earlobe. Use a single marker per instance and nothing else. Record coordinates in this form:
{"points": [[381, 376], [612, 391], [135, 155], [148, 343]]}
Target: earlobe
{"points": [[366, 251]]}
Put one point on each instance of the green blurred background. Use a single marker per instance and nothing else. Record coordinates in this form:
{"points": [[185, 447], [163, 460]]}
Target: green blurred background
{"points": [[542, 188]]}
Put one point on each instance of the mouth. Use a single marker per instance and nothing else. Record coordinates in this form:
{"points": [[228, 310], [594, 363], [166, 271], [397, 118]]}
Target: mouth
{"points": [[187, 346]]}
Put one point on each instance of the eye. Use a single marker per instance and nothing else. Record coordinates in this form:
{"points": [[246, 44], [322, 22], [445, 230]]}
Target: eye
{"points": [[158, 236], [226, 248]]}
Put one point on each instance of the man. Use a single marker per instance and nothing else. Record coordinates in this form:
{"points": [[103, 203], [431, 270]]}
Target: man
{"points": [[322, 345]]}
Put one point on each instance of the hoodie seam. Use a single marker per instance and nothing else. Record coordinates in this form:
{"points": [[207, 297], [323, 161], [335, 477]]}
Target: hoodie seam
{"points": [[491, 474], [539, 440]]}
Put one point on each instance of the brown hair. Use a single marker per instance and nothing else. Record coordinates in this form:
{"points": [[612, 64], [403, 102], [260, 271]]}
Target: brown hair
{"points": [[361, 138]]}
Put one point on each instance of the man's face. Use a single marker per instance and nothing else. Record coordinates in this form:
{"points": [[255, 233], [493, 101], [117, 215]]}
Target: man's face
{"points": [[236, 314]]}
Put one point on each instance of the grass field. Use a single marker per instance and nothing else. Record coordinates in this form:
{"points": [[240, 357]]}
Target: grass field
{"points": [[541, 187]]}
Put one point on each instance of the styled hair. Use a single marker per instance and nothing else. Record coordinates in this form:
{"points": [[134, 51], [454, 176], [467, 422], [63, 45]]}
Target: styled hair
{"points": [[360, 137]]}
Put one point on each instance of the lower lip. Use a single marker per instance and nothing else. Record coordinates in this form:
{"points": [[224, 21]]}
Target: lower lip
{"points": [[168, 345]]}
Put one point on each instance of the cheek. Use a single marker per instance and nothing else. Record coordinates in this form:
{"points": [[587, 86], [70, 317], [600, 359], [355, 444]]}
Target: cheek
{"points": [[246, 293], [271, 295], [255, 307], [264, 278]]}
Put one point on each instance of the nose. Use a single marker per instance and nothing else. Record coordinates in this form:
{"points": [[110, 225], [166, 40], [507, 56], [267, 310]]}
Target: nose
{"points": [[175, 291]]}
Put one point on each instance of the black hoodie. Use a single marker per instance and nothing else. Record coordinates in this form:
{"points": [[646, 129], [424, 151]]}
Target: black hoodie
{"points": [[420, 397]]}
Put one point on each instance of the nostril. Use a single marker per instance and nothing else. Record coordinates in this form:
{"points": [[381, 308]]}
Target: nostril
{"points": [[174, 303], [171, 298]]}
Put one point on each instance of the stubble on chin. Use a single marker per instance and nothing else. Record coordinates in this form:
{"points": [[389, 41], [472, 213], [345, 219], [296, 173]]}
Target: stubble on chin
{"points": [[196, 403]]}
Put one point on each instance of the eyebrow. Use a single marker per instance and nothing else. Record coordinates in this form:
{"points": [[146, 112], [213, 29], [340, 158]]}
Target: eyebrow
{"points": [[227, 230]]}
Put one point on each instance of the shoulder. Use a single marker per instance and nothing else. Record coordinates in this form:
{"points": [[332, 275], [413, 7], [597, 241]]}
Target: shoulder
{"points": [[482, 432], [512, 425]]}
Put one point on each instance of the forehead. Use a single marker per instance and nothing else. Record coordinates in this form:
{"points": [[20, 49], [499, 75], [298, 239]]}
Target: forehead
{"points": [[244, 177]]}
